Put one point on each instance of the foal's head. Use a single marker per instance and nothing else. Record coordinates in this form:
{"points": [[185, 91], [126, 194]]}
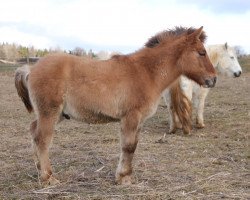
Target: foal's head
{"points": [[193, 60]]}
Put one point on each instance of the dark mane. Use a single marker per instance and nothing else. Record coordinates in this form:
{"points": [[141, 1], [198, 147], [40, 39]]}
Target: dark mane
{"points": [[177, 31], [115, 56]]}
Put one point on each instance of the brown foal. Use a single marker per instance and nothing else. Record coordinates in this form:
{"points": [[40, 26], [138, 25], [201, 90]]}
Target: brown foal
{"points": [[125, 88]]}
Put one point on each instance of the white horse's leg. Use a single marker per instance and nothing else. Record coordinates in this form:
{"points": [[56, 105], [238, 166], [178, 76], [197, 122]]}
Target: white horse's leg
{"points": [[188, 90], [199, 104]]}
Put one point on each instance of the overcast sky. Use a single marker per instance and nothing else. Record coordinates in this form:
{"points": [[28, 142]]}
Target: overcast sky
{"points": [[119, 25]]}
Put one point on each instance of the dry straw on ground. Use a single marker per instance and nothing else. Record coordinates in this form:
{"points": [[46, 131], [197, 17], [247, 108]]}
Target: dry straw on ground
{"points": [[211, 163]]}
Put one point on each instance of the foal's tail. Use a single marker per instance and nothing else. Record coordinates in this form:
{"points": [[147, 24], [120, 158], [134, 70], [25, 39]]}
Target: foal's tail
{"points": [[181, 105], [21, 79]]}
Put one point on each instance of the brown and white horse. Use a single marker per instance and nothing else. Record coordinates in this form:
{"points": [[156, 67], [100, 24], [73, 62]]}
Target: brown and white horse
{"points": [[125, 88]]}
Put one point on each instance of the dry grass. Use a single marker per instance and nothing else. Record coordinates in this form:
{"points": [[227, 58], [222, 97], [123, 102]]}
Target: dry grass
{"points": [[245, 61], [211, 163]]}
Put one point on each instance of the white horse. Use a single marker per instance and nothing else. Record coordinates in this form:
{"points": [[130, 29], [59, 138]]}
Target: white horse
{"points": [[224, 59]]}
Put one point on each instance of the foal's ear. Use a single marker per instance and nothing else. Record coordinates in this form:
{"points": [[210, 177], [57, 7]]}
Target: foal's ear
{"points": [[196, 34], [199, 32]]}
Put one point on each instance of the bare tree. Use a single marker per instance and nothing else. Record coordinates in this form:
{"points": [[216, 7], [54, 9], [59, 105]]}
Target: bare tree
{"points": [[32, 51], [91, 54], [11, 52], [2, 52], [55, 50], [78, 51]]}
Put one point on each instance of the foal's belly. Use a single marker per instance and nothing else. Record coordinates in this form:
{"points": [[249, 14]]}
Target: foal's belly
{"points": [[88, 116], [98, 118]]}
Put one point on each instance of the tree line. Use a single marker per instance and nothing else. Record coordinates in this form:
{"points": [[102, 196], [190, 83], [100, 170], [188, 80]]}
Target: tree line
{"points": [[14, 52]]}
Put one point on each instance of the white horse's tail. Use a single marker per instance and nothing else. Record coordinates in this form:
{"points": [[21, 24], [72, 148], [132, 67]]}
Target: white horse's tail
{"points": [[181, 106], [21, 79]]}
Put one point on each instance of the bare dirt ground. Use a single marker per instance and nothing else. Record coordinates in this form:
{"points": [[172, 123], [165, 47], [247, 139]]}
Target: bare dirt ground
{"points": [[210, 163]]}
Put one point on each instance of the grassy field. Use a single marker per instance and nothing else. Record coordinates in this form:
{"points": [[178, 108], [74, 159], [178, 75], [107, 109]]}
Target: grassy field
{"points": [[210, 163]]}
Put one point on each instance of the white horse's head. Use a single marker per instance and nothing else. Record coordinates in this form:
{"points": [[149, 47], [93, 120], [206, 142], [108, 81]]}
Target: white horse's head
{"points": [[226, 60]]}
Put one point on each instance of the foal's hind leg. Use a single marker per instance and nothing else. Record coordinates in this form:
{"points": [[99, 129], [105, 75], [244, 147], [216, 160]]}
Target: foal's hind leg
{"points": [[33, 127], [42, 132], [129, 138]]}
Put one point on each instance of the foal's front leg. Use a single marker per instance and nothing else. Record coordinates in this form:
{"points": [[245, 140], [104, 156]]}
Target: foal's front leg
{"points": [[130, 128]]}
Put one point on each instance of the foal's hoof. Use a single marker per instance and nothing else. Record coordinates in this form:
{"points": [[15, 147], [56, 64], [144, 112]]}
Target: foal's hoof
{"points": [[50, 182], [123, 180], [186, 132]]}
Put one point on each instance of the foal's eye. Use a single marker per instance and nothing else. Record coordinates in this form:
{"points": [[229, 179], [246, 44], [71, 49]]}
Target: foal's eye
{"points": [[202, 53], [231, 57]]}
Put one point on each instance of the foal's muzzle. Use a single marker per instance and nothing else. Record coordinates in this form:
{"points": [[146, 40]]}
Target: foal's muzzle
{"points": [[210, 82]]}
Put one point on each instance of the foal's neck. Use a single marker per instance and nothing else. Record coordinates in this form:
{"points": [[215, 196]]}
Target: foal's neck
{"points": [[166, 74], [161, 64]]}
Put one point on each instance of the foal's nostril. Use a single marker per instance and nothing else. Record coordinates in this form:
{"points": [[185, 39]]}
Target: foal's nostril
{"points": [[207, 82], [210, 82]]}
